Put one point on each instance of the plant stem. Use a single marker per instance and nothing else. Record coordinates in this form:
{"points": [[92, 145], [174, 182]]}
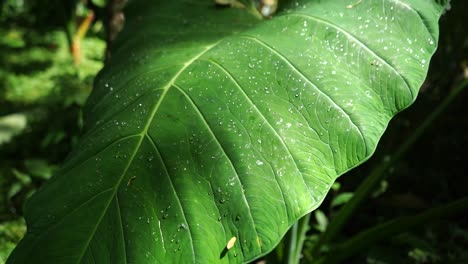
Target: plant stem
{"points": [[377, 174], [391, 228], [295, 240]]}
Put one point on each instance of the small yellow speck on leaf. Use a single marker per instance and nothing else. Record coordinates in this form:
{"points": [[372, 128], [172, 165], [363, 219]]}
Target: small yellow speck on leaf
{"points": [[231, 243], [130, 181]]}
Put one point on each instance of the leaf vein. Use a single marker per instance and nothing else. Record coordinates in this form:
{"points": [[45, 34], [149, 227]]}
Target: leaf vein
{"points": [[313, 85], [227, 156], [121, 227], [142, 134], [175, 194], [409, 7], [264, 118], [362, 44]]}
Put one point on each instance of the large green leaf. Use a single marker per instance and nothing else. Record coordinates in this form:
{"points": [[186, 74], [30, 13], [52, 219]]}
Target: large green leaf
{"points": [[210, 124]]}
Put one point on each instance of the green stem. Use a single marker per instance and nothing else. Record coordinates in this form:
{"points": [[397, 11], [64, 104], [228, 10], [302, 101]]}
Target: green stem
{"points": [[377, 174], [295, 240], [391, 228]]}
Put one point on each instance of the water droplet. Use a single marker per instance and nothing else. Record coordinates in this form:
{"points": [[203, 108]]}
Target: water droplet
{"points": [[259, 162], [182, 226]]}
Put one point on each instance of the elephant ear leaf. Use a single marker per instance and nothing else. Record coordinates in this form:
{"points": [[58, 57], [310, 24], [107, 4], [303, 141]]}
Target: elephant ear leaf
{"points": [[210, 124]]}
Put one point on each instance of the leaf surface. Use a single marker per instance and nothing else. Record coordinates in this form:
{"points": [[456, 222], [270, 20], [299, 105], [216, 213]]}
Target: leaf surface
{"points": [[210, 124]]}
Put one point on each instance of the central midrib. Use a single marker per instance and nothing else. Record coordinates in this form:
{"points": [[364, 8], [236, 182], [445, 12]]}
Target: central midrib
{"points": [[142, 136]]}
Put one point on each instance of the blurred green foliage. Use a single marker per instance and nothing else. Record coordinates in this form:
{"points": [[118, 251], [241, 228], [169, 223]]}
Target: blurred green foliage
{"points": [[10, 233], [42, 91]]}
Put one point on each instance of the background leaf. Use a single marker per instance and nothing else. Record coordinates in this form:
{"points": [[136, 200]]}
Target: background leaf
{"points": [[210, 124]]}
